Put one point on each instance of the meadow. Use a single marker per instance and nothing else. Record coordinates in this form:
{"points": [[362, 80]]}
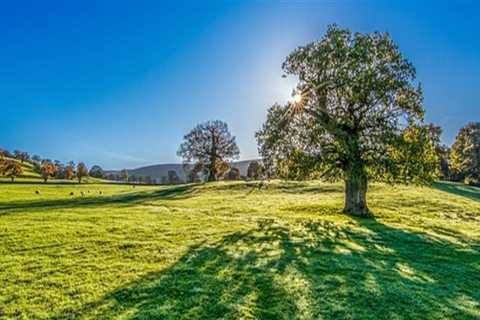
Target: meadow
{"points": [[237, 250]]}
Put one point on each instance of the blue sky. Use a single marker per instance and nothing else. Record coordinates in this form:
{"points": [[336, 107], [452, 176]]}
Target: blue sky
{"points": [[118, 83]]}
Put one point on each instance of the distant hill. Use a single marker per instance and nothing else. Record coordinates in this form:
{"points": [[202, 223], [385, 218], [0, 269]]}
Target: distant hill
{"points": [[158, 171]]}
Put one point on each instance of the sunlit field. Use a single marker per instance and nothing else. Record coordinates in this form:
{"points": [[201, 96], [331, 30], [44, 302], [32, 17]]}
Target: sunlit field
{"points": [[237, 250]]}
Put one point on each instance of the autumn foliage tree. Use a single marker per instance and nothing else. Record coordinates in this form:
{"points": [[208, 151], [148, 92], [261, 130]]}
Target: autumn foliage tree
{"points": [[69, 172], [356, 105], [210, 145], [10, 168], [82, 171], [47, 170]]}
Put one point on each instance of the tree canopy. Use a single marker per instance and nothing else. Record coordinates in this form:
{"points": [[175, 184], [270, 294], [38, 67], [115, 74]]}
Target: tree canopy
{"points": [[97, 172], [358, 115], [209, 145]]}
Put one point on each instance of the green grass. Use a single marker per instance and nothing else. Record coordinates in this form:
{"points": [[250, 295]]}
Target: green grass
{"points": [[238, 251]]}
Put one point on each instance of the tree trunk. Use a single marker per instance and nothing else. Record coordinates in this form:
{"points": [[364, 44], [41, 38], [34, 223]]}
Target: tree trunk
{"points": [[356, 184], [212, 174]]}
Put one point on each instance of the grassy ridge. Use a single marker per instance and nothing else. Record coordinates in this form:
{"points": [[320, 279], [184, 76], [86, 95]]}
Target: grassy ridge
{"points": [[238, 250]]}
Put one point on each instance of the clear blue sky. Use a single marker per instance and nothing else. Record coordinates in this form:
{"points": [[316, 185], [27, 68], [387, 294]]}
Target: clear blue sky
{"points": [[118, 83]]}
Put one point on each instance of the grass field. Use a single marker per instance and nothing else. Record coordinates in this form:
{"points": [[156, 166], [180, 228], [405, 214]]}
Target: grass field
{"points": [[238, 251]]}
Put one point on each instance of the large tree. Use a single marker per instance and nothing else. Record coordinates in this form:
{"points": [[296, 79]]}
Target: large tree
{"points": [[356, 112], [210, 145], [465, 154]]}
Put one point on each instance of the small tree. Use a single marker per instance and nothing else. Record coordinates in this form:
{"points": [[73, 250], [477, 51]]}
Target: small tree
{"points": [[36, 158], [211, 145], [355, 99], [124, 175], [82, 171], [22, 156], [69, 172], [173, 177], [465, 154], [11, 169], [97, 172], [47, 170], [254, 170]]}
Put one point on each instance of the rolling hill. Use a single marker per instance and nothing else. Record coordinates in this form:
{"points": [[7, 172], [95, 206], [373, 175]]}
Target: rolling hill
{"points": [[161, 170]]}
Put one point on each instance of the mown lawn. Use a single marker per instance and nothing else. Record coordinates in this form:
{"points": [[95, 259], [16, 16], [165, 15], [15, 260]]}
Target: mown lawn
{"points": [[238, 251]]}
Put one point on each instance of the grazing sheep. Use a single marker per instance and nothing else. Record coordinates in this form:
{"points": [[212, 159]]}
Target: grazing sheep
{"points": [[37, 192], [82, 194]]}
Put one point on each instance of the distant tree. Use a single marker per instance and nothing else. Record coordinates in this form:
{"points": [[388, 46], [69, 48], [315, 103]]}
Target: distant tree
{"points": [[149, 180], [69, 172], [112, 177], [211, 145], [132, 178], [36, 158], [465, 154], [82, 171], [254, 170], [97, 172], [442, 151], [21, 156], [232, 174], [354, 101], [5, 153], [47, 170], [10, 168], [124, 175], [173, 177], [59, 169], [193, 171]]}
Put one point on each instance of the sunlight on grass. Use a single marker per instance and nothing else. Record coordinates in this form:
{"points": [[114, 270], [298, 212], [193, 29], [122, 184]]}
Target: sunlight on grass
{"points": [[236, 250]]}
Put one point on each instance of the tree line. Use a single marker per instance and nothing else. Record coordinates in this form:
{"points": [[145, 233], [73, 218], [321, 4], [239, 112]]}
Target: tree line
{"points": [[11, 165]]}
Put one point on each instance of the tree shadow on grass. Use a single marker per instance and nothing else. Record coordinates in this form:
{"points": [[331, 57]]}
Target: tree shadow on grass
{"points": [[309, 270], [459, 189], [172, 193]]}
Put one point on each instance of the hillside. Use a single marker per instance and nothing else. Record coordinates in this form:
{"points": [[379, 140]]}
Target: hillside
{"points": [[161, 170], [28, 173], [238, 250], [30, 176]]}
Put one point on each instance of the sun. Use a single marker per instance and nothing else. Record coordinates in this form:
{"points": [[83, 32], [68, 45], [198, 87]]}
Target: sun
{"points": [[297, 98]]}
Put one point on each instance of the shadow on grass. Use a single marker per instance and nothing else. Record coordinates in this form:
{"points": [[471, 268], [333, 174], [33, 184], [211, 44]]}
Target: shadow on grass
{"points": [[310, 270], [176, 192], [284, 186], [460, 189]]}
